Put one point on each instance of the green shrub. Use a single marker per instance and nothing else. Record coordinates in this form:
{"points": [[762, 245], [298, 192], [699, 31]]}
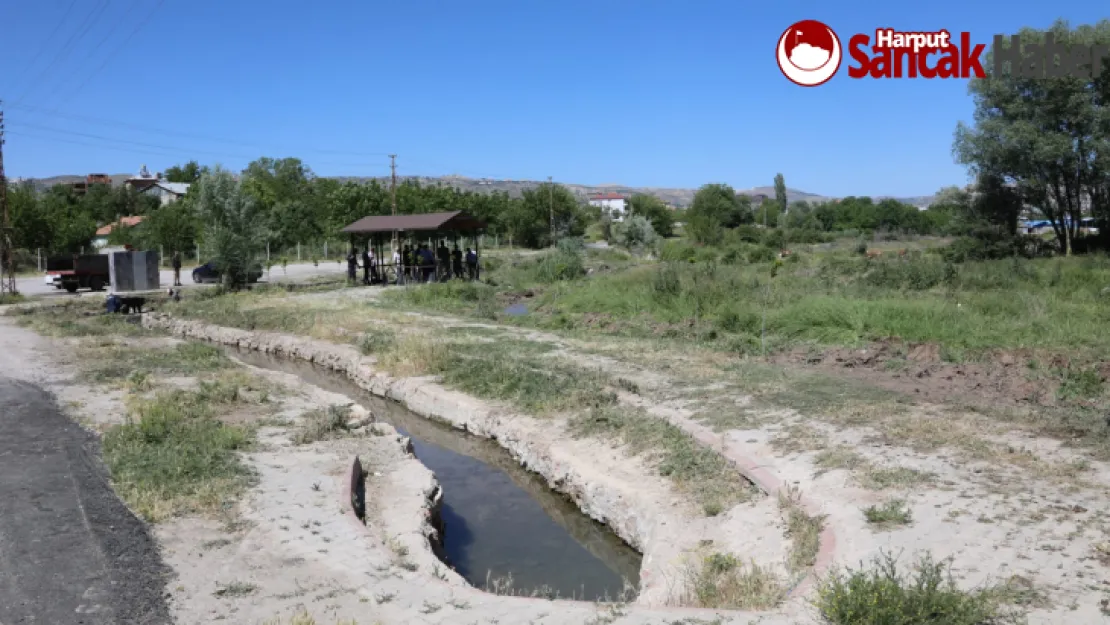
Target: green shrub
{"points": [[666, 281], [761, 254], [706, 255], [882, 595], [678, 251], [904, 274]]}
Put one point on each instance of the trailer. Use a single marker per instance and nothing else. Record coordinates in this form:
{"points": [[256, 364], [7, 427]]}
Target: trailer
{"points": [[89, 271]]}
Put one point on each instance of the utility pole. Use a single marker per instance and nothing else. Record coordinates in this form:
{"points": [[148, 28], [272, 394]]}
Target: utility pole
{"points": [[551, 208], [7, 260], [393, 180], [393, 197]]}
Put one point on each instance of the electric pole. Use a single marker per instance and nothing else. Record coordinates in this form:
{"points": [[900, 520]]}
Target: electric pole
{"points": [[7, 261], [393, 180], [551, 208]]}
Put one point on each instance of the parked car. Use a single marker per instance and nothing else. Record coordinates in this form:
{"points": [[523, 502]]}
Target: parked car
{"points": [[208, 273]]}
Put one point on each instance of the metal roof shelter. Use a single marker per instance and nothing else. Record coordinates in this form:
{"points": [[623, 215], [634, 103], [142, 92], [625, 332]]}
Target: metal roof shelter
{"points": [[433, 228], [454, 221]]}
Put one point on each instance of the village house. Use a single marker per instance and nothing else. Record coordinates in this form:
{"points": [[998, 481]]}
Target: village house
{"points": [[155, 185], [613, 204]]}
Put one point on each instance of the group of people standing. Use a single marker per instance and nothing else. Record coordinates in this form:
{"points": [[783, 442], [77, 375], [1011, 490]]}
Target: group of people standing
{"points": [[419, 263]]}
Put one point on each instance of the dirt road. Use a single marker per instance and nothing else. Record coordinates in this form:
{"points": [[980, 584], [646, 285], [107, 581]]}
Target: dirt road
{"points": [[70, 551]]}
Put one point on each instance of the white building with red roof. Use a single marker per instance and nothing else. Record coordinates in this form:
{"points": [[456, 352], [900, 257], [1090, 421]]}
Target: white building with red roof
{"points": [[615, 204]]}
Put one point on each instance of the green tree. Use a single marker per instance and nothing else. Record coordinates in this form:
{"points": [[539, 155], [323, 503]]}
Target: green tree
{"points": [[715, 206], [233, 230], [189, 172], [530, 220], [72, 227], [31, 226], [1043, 141], [653, 209], [171, 228], [780, 192]]}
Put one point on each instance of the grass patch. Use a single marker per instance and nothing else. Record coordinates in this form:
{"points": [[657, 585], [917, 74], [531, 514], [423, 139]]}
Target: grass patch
{"points": [[11, 298], [803, 530], [302, 617], [839, 457], [113, 361], [236, 589], [723, 581], [66, 321], [322, 424], [890, 514], [705, 474], [376, 341], [879, 478], [882, 594], [173, 456]]}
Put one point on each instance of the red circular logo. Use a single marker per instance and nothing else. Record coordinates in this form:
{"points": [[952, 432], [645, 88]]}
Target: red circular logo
{"points": [[809, 53]]}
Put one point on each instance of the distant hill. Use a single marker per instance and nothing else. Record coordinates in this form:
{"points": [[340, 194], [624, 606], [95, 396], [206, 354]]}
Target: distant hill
{"points": [[676, 196]]}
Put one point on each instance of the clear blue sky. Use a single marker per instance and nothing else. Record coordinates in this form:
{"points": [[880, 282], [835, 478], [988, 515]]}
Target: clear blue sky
{"points": [[638, 92]]}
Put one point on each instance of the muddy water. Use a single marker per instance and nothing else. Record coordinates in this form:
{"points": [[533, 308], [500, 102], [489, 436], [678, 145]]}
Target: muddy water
{"points": [[499, 520]]}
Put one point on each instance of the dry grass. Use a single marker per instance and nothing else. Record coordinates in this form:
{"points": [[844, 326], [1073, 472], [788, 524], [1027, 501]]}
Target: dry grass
{"points": [[302, 617], [322, 424], [803, 530], [723, 581]]}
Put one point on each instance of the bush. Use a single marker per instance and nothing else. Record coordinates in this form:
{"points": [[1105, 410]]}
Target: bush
{"points": [[774, 239], [881, 595], [761, 254], [911, 275], [634, 232], [678, 252], [560, 265], [666, 281], [992, 244]]}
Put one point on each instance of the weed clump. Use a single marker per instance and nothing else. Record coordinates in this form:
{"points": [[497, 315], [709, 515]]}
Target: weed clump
{"points": [[322, 424], [723, 581], [881, 595]]}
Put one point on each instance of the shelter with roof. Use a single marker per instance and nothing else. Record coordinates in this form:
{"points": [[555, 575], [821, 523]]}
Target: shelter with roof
{"points": [[383, 233]]}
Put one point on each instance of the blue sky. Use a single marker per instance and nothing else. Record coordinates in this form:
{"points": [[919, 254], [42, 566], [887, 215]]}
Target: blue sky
{"points": [[662, 93]]}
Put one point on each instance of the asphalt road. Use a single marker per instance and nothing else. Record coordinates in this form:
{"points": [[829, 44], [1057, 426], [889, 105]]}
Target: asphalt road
{"points": [[35, 285], [70, 551]]}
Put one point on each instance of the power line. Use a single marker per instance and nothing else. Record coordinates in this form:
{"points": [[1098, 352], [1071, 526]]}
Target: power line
{"points": [[90, 20], [100, 44], [112, 55], [45, 44], [170, 152], [181, 134]]}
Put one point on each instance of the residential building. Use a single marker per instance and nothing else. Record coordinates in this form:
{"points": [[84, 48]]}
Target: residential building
{"points": [[80, 188], [155, 185], [614, 204], [167, 191]]}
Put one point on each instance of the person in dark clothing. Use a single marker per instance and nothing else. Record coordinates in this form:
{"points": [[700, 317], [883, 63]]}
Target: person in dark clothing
{"points": [[444, 257], [177, 268], [406, 261], [456, 263], [367, 263], [352, 264], [471, 263]]}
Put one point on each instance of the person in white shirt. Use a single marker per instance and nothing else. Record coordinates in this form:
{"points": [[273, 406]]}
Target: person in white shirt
{"points": [[397, 265]]}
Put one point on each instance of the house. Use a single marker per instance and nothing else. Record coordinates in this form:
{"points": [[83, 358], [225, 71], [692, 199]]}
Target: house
{"points": [[615, 204], [1087, 225], [80, 188], [101, 239], [167, 191], [155, 185]]}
